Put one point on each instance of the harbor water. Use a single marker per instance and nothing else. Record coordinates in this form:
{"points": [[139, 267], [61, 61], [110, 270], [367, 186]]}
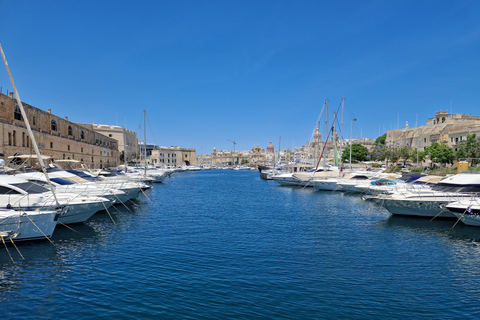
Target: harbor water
{"points": [[224, 244]]}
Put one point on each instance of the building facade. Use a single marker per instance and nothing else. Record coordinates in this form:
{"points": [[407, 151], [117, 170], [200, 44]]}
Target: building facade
{"points": [[444, 128], [172, 156], [55, 136], [127, 139]]}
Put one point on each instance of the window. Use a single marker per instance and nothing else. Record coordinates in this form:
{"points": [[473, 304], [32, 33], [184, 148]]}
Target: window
{"points": [[14, 138], [17, 114], [51, 145], [456, 139], [81, 150], [68, 147], [82, 135], [23, 139], [70, 131], [9, 138], [425, 140], [33, 121], [54, 125]]}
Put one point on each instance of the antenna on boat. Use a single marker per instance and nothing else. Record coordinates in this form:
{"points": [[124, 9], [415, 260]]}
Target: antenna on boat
{"points": [[27, 124]]}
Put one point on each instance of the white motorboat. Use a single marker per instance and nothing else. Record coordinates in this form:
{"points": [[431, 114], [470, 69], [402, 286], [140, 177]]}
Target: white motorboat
{"points": [[467, 210], [432, 202], [17, 193], [20, 225]]}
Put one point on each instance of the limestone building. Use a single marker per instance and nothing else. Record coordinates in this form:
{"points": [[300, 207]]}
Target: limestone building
{"points": [[55, 136], [127, 139], [444, 128], [172, 156]]}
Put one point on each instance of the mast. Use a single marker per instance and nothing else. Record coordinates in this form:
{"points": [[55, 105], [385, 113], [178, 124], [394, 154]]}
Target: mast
{"points": [[341, 127], [27, 124], [326, 131], [139, 145], [145, 139], [334, 138], [124, 151]]}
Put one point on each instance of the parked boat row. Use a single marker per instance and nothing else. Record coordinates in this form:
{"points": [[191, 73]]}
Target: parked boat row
{"points": [[35, 203], [419, 195]]}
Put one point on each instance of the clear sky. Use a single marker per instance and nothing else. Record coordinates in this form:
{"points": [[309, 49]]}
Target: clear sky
{"points": [[249, 71]]}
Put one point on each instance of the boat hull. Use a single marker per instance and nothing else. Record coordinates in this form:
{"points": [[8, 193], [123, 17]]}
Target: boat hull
{"points": [[26, 226]]}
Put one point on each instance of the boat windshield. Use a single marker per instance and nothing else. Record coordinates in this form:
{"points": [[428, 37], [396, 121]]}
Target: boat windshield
{"points": [[30, 187], [445, 187], [61, 181]]}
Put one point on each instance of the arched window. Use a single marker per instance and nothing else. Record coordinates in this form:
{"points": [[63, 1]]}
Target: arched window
{"points": [[17, 114], [443, 119], [70, 131], [82, 135], [54, 125]]}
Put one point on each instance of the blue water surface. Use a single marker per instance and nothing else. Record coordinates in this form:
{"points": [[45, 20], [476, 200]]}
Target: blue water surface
{"points": [[225, 244]]}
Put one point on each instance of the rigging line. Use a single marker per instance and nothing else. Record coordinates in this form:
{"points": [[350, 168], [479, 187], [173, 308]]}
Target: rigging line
{"points": [[151, 131], [3, 240], [123, 203], [16, 247], [27, 123], [148, 198], [326, 140], [26, 215], [461, 216], [63, 224], [109, 213]]}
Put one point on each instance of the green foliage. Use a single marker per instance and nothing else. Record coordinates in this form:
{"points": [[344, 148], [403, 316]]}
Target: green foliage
{"points": [[469, 149], [439, 153], [381, 140], [122, 156], [359, 153]]}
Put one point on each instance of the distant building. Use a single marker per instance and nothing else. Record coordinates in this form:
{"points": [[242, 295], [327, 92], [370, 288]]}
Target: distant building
{"points": [[444, 128], [55, 136], [127, 139], [172, 156]]}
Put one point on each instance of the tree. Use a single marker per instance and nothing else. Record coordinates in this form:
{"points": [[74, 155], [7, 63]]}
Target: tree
{"points": [[468, 149], [122, 156], [439, 153], [381, 140], [405, 153], [359, 153]]}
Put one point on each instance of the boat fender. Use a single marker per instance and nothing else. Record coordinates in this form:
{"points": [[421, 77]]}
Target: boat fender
{"points": [[9, 206]]}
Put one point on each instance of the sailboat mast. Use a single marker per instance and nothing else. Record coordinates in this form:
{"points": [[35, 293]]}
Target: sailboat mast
{"points": [[145, 138], [326, 131], [334, 138], [341, 127], [124, 151], [27, 124]]}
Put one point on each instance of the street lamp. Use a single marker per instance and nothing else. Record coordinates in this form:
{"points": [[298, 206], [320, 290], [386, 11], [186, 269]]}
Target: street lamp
{"points": [[351, 131]]}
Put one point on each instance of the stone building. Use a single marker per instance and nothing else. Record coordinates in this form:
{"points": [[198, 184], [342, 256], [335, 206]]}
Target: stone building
{"points": [[443, 128], [127, 139], [55, 136], [172, 156]]}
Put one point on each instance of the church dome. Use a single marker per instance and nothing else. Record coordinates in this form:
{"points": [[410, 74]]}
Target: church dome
{"points": [[270, 148]]}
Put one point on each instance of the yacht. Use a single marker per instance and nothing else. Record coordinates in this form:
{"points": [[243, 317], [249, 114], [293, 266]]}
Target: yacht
{"points": [[17, 193], [467, 210], [432, 202], [19, 225]]}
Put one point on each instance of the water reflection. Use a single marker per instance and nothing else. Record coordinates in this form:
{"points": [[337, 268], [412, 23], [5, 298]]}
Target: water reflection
{"points": [[437, 227]]}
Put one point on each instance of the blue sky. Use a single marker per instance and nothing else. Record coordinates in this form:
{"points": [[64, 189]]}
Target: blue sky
{"points": [[249, 71]]}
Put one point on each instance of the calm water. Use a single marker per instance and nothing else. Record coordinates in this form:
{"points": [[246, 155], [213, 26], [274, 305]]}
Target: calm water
{"points": [[227, 245]]}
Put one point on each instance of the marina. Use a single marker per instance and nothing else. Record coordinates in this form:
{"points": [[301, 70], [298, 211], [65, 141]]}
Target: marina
{"points": [[223, 244]]}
